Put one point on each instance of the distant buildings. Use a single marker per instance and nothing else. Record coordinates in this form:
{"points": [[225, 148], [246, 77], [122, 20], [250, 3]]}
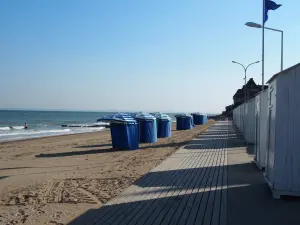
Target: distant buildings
{"points": [[239, 97]]}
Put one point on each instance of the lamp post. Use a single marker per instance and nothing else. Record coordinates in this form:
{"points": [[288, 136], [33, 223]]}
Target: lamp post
{"points": [[245, 91], [245, 78], [256, 25]]}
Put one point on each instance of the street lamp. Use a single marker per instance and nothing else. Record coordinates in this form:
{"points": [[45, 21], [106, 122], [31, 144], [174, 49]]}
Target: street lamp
{"points": [[256, 25], [245, 69], [245, 91]]}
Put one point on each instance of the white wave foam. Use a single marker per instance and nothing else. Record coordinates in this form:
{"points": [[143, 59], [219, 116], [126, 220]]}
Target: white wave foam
{"points": [[4, 128], [101, 123], [42, 125], [87, 125], [18, 127], [54, 131], [86, 129], [27, 134], [35, 132]]}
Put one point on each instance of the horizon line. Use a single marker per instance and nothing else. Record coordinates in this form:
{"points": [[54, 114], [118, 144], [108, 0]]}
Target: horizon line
{"points": [[83, 110]]}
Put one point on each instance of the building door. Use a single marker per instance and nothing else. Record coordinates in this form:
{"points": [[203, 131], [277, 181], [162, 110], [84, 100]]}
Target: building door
{"points": [[257, 141], [271, 138]]}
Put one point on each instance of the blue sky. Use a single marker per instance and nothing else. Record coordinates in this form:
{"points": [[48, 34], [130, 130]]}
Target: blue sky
{"points": [[165, 55]]}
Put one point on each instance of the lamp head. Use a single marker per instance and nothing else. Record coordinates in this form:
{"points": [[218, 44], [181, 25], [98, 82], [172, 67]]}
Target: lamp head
{"points": [[255, 25]]}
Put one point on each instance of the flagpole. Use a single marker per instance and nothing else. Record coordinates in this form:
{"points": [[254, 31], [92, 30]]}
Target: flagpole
{"points": [[263, 47]]}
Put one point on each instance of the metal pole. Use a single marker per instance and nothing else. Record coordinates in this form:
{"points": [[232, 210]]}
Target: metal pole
{"points": [[281, 50], [281, 31], [255, 25], [245, 92], [245, 100], [263, 49]]}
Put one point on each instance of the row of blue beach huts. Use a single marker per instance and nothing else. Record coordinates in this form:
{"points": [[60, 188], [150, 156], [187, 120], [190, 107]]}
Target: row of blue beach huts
{"points": [[130, 129]]}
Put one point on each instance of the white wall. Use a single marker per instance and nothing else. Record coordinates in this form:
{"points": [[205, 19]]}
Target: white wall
{"points": [[250, 121], [261, 126], [257, 130], [244, 118], [238, 114], [287, 141], [271, 131]]}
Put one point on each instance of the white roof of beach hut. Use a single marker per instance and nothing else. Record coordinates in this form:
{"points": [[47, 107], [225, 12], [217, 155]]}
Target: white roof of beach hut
{"points": [[145, 116], [162, 116], [118, 117], [183, 115]]}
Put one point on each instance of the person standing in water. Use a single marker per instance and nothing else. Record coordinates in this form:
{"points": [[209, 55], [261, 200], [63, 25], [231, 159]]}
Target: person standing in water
{"points": [[26, 126]]}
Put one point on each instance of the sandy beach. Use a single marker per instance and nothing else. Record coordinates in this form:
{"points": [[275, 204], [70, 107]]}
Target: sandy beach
{"points": [[53, 180]]}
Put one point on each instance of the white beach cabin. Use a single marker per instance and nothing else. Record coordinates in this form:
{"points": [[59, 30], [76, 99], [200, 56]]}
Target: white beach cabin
{"points": [[282, 171], [261, 127], [238, 117], [249, 131]]}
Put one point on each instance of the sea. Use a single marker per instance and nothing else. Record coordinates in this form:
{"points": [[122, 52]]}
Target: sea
{"points": [[47, 123]]}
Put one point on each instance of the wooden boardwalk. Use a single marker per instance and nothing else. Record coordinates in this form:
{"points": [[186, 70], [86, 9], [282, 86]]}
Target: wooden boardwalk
{"points": [[189, 187], [210, 181]]}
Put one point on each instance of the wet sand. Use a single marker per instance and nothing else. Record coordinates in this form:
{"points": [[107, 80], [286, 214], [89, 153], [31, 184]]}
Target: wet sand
{"points": [[53, 180]]}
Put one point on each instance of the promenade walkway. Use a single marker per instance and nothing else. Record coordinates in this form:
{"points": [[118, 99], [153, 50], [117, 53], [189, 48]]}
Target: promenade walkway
{"points": [[210, 181]]}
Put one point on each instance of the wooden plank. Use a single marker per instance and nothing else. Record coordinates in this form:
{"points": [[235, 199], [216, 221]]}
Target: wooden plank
{"points": [[151, 212], [182, 210], [184, 193], [190, 211], [195, 200], [144, 216], [201, 205], [142, 206], [217, 201], [174, 215], [145, 210], [152, 204], [210, 204], [162, 206], [170, 203], [223, 214]]}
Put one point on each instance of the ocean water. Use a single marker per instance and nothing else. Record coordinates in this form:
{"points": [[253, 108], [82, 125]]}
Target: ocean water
{"points": [[47, 123]]}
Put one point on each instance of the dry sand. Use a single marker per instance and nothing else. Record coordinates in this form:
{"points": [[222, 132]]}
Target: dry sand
{"points": [[55, 179]]}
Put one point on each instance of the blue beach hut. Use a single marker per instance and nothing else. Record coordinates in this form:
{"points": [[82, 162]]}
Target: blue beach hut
{"points": [[199, 118], [146, 127], [124, 131], [164, 125], [184, 121]]}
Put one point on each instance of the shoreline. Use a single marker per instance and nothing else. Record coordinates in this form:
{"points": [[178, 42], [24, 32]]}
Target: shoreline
{"points": [[55, 135], [49, 136]]}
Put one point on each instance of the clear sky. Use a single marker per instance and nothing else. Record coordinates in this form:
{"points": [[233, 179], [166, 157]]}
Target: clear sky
{"points": [[165, 55]]}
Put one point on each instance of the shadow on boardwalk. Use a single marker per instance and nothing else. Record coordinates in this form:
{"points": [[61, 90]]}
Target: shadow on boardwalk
{"points": [[248, 202], [157, 181]]}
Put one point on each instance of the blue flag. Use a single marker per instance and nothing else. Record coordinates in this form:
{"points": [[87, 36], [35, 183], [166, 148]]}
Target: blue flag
{"points": [[270, 5]]}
